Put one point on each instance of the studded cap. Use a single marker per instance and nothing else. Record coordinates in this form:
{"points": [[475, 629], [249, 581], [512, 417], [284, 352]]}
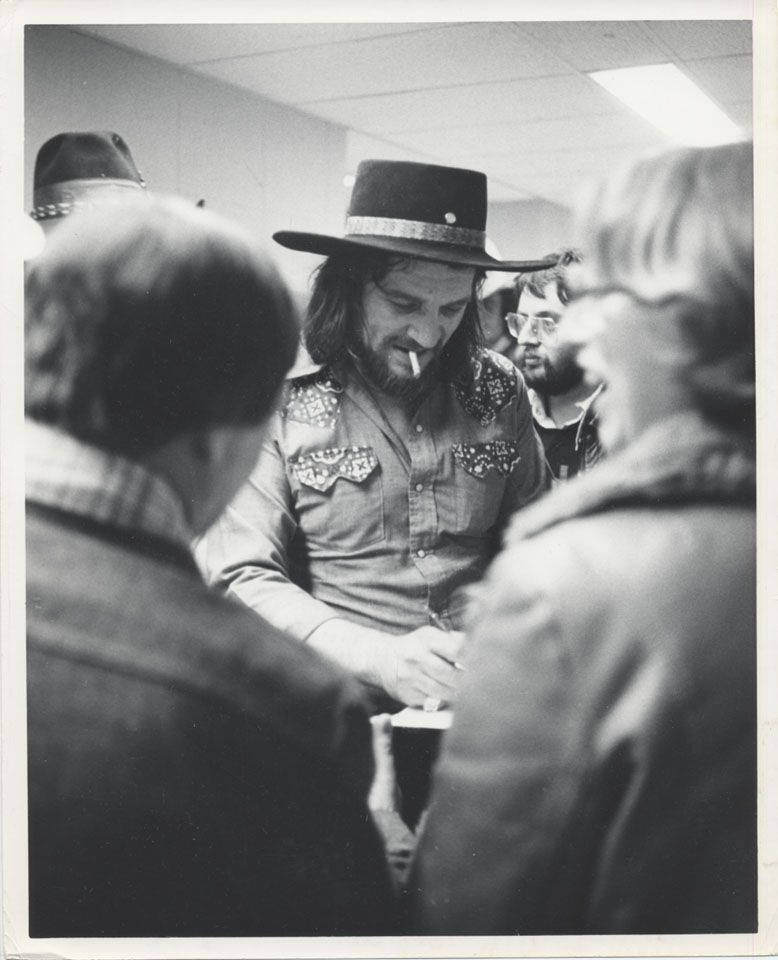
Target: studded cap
{"points": [[73, 170]]}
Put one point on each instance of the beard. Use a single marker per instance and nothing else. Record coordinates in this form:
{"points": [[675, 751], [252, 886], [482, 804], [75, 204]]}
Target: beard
{"points": [[553, 378], [407, 390]]}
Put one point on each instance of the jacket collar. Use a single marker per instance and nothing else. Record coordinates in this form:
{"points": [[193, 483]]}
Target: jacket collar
{"points": [[71, 476], [683, 459], [541, 417]]}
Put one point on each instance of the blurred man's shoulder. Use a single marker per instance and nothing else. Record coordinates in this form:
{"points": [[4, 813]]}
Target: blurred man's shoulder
{"points": [[175, 630]]}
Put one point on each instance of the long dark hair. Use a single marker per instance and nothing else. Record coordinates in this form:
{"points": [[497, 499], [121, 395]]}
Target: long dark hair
{"points": [[335, 310]]}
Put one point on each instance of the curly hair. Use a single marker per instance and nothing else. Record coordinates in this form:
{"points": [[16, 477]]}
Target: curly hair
{"points": [[335, 310], [537, 282]]}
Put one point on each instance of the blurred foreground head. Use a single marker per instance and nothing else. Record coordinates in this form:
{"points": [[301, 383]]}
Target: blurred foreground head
{"points": [[665, 290], [152, 321]]}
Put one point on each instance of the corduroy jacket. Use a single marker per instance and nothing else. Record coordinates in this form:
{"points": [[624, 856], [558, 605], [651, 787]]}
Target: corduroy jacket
{"points": [[192, 771]]}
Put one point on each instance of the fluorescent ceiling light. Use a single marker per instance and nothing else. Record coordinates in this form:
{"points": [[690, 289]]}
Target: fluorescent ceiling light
{"points": [[668, 99]]}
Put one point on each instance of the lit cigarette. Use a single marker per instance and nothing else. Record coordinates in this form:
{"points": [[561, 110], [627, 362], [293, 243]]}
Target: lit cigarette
{"points": [[414, 364]]}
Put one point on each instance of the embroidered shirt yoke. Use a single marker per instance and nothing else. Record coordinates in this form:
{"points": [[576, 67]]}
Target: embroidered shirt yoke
{"points": [[345, 517]]}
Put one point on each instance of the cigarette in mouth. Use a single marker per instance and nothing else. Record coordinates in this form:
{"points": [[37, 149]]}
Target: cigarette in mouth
{"points": [[414, 364]]}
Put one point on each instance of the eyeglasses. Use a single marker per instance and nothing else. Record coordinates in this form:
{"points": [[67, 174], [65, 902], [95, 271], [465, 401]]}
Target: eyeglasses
{"points": [[542, 327]]}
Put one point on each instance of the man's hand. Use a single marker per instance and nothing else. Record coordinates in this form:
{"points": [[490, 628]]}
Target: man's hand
{"points": [[420, 665], [411, 668]]}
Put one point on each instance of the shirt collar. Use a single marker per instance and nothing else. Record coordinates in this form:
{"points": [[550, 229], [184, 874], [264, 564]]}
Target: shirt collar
{"points": [[66, 473], [542, 418]]}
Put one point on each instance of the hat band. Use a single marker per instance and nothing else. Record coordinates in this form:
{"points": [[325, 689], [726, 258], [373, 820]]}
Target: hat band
{"points": [[415, 230], [59, 199]]}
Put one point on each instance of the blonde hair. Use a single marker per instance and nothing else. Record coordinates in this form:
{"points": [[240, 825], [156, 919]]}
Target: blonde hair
{"points": [[677, 229]]}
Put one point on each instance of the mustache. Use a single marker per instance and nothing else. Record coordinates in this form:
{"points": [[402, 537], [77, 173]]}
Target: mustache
{"points": [[412, 345]]}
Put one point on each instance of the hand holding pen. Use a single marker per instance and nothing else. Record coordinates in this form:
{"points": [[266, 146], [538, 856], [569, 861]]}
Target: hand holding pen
{"points": [[432, 704], [422, 665]]}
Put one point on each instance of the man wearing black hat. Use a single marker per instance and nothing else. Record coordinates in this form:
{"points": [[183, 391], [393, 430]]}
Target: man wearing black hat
{"points": [[401, 446], [80, 170]]}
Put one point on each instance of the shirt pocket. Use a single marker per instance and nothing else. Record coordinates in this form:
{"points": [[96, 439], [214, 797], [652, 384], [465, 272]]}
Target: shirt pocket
{"points": [[339, 498], [481, 472]]}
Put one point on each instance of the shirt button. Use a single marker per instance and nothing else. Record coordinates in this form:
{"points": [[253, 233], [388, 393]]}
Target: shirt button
{"points": [[421, 554], [419, 428], [419, 487]]}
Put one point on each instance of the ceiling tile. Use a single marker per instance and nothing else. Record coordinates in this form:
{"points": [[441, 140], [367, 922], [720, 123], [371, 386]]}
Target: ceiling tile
{"points": [[444, 56], [188, 43], [502, 102], [597, 45], [694, 39], [574, 133], [726, 79], [506, 98]]}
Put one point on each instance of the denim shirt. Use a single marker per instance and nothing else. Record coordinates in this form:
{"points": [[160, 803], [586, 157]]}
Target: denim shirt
{"points": [[345, 517]]}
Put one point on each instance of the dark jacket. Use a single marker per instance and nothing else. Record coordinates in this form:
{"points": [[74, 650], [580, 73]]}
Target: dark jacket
{"points": [[572, 448], [600, 774], [192, 772]]}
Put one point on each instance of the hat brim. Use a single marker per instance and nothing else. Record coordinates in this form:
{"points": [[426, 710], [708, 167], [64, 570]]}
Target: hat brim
{"points": [[418, 249]]}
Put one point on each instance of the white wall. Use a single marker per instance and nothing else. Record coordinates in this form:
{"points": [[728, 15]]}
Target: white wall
{"points": [[528, 229], [265, 165]]}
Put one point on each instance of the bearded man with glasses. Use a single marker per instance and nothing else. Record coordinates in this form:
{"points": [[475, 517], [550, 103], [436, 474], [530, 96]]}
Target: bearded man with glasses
{"points": [[562, 399]]}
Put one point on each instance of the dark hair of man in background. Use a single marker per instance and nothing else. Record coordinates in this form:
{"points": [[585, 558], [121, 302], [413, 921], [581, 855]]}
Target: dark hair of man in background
{"points": [[537, 282], [507, 297]]}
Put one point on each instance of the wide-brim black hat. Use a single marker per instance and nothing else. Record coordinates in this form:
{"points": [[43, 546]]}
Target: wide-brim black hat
{"points": [[74, 170], [415, 210]]}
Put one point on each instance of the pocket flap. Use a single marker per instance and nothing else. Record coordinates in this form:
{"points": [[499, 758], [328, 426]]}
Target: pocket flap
{"points": [[478, 459], [321, 468]]}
